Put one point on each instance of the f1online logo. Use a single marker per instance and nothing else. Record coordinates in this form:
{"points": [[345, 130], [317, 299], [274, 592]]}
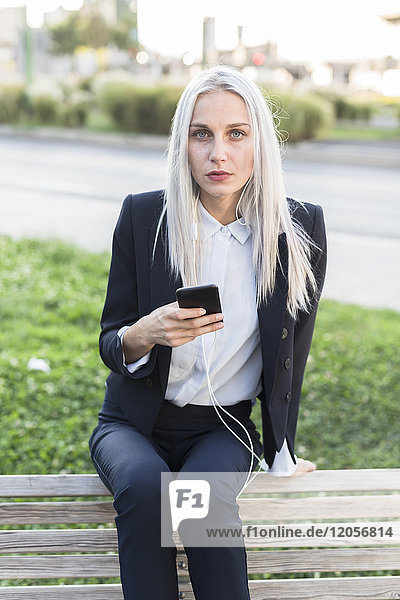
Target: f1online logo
{"points": [[189, 499]]}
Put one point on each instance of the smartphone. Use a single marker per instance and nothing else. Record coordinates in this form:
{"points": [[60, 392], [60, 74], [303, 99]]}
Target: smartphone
{"points": [[200, 296]]}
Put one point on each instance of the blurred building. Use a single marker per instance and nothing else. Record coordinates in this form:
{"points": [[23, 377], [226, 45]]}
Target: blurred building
{"points": [[210, 55], [241, 56], [379, 75], [341, 73], [12, 24]]}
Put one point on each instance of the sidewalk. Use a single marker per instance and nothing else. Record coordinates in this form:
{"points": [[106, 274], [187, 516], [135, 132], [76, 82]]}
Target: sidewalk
{"points": [[134, 140], [378, 154], [382, 154]]}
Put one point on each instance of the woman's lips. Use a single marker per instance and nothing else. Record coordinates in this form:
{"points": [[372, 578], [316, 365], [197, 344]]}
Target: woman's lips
{"points": [[218, 175]]}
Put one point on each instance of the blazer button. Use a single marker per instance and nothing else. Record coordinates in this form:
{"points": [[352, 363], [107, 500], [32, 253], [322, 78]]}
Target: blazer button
{"points": [[287, 364], [288, 397], [284, 333], [149, 382]]}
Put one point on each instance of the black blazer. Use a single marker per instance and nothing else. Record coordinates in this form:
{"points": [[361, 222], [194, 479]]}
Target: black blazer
{"points": [[136, 286]]}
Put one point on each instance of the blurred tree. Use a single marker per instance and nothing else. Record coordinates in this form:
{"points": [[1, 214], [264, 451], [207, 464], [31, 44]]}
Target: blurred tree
{"points": [[80, 30], [65, 36], [95, 31], [124, 34]]}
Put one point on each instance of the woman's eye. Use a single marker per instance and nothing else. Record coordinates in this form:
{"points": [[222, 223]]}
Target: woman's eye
{"points": [[201, 134], [237, 134]]}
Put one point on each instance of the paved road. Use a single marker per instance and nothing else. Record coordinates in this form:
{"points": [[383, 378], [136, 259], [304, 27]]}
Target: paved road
{"points": [[73, 190]]}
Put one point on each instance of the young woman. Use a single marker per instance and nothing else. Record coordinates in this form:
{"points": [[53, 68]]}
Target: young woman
{"points": [[223, 219]]}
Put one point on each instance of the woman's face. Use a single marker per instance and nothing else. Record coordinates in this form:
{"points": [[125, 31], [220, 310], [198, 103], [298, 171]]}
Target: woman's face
{"points": [[220, 147]]}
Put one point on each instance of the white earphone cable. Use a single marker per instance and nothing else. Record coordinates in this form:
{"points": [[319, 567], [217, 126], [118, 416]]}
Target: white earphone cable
{"points": [[216, 403]]}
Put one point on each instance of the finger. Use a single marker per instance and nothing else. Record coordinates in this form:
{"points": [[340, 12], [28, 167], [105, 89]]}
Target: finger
{"points": [[191, 334], [206, 329], [189, 313], [207, 320], [181, 341], [184, 336], [198, 322]]}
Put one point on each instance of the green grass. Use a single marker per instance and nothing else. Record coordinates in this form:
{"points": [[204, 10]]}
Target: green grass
{"points": [[349, 410], [52, 296]]}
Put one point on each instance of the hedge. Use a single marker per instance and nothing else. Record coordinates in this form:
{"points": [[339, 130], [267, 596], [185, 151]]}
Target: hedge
{"points": [[14, 103], [149, 109], [45, 109], [347, 109], [139, 109], [299, 117]]}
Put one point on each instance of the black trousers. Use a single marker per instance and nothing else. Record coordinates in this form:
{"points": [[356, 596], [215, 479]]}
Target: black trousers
{"points": [[185, 439]]}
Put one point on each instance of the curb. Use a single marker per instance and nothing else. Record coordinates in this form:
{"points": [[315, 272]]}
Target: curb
{"points": [[151, 142]]}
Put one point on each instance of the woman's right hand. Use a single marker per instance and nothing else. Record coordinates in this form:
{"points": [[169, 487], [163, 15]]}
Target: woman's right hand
{"points": [[167, 325], [172, 326]]}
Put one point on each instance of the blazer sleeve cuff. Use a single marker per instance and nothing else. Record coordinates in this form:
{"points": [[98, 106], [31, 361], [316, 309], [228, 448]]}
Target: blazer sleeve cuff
{"points": [[144, 369], [132, 367], [283, 465]]}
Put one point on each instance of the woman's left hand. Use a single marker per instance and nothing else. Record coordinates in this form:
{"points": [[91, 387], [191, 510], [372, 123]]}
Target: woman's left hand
{"points": [[303, 466]]}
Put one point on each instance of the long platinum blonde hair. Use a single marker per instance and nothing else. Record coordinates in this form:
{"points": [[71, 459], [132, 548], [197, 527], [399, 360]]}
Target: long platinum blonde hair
{"points": [[263, 204]]}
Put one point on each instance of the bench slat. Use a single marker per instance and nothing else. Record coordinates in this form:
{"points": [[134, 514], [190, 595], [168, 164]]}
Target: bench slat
{"points": [[351, 588], [323, 507], [19, 486], [105, 540], [327, 588], [58, 540], [346, 480], [278, 509], [28, 513], [66, 592], [281, 561], [309, 561], [52, 567]]}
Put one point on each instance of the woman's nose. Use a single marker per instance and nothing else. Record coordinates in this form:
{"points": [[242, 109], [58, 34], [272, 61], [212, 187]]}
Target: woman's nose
{"points": [[218, 150]]}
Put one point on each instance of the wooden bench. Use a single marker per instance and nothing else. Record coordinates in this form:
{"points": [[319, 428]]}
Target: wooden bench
{"points": [[343, 500]]}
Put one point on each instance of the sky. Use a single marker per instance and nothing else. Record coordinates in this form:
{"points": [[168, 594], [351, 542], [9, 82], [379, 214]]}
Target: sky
{"points": [[305, 30]]}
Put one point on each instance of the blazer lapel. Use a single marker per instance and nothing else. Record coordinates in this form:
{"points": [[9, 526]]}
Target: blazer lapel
{"points": [[271, 320], [162, 291]]}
